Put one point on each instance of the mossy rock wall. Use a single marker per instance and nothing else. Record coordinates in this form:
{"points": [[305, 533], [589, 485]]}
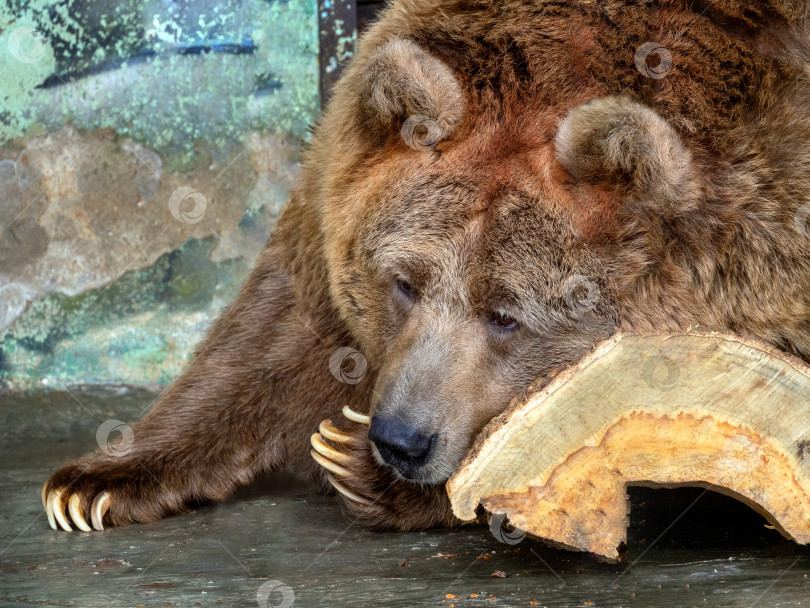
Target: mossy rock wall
{"points": [[146, 151]]}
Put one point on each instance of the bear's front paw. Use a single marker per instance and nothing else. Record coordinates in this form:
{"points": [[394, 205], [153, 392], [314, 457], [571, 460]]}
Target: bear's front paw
{"points": [[109, 491], [375, 495], [342, 461]]}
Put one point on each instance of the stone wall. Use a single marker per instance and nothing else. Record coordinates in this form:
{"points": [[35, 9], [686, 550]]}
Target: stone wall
{"points": [[146, 150]]}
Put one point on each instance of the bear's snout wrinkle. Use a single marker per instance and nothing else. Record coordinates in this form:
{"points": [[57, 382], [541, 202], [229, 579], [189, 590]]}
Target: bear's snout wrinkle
{"points": [[400, 445]]}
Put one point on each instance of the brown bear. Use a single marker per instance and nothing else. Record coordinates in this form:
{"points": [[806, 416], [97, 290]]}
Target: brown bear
{"points": [[494, 187]]}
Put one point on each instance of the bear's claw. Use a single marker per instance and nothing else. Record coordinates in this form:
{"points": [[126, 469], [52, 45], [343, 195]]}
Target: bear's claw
{"points": [[101, 504], [326, 463], [347, 492], [57, 517], [331, 433], [327, 451], [354, 416], [76, 514]]}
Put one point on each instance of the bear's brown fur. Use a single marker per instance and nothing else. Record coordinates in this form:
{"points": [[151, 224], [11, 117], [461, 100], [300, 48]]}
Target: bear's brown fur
{"points": [[562, 189]]}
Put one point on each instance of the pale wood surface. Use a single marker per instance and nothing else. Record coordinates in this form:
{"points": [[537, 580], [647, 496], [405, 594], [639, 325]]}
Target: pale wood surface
{"points": [[698, 409]]}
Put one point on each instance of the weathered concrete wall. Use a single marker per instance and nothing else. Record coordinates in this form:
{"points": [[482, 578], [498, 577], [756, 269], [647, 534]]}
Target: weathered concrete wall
{"points": [[146, 150]]}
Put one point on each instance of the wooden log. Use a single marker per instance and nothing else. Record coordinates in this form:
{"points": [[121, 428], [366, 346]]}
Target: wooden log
{"points": [[693, 409]]}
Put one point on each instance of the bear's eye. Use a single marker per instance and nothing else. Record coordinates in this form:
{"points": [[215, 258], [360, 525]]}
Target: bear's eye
{"points": [[406, 289], [503, 321]]}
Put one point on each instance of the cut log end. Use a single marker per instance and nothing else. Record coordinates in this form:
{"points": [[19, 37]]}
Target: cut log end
{"points": [[696, 409]]}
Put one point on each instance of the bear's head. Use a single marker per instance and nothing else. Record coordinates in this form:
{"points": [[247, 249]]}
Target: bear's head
{"points": [[467, 250]]}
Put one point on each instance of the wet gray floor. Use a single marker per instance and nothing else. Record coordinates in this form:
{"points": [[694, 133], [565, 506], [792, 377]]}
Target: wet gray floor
{"points": [[686, 547]]}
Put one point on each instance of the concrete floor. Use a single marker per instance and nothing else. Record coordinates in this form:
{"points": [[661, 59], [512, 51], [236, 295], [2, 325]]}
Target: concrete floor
{"points": [[687, 548]]}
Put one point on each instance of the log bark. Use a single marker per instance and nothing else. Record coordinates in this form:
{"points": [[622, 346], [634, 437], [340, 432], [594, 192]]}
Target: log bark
{"points": [[693, 409]]}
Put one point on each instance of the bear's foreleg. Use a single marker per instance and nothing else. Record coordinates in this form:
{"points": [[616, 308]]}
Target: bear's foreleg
{"points": [[255, 389]]}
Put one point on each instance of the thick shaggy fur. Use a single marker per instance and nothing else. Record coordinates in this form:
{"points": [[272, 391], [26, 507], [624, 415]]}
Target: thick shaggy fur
{"points": [[569, 192]]}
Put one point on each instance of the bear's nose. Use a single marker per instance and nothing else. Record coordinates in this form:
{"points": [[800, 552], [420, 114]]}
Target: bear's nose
{"points": [[400, 445]]}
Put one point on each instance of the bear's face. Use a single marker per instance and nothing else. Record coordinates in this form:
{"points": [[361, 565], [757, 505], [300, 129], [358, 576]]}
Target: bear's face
{"points": [[467, 270], [462, 297]]}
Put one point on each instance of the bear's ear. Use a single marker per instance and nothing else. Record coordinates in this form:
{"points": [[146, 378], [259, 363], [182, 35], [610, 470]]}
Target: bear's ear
{"points": [[618, 143], [402, 81]]}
